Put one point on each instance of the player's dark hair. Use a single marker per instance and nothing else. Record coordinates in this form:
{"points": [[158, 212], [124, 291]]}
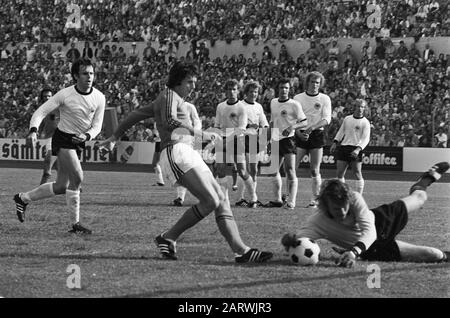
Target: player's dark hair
{"points": [[284, 80], [178, 72], [231, 83], [78, 64], [43, 91], [334, 190]]}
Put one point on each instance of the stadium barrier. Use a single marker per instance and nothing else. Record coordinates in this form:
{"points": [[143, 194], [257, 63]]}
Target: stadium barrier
{"points": [[374, 158], [236, 47]]}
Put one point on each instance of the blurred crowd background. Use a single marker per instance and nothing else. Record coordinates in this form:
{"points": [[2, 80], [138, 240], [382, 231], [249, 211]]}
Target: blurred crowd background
{"points": [[404, 79]]}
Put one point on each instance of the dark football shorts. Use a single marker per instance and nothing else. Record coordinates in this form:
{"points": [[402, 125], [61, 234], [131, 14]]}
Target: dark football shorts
{"points": [[226, 155], [343, 154], [158, 146], [286, 146], [316, 140], [61, 139], [252, 144], [390, 219]]}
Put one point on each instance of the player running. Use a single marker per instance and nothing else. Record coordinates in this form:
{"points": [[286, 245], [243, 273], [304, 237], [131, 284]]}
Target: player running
{"points": [[81, 108], [181, 164]]}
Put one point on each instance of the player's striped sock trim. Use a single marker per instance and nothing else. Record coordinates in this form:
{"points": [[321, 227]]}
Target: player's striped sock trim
{"points": [[224, 217], [175, 169], [169, 95], [197, 212]]}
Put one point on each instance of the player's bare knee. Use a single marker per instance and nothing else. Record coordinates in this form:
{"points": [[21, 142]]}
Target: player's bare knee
{"points": [[76, 178], [290, 173], [211, 202], [59, 188]]}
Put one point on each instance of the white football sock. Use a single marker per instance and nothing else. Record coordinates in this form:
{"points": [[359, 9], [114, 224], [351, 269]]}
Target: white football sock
{"points": [[292, 188], [241, 187], [250, 188], [181, 192], [159, 173], [315, 185], [73, 203], [277, 183]]}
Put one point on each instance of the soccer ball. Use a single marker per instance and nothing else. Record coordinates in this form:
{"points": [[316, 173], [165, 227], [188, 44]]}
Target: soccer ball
{"points": [[305, 253]]}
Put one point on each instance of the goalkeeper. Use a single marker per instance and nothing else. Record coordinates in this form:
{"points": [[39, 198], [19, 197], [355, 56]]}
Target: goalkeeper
{"points": [[344, 219]]}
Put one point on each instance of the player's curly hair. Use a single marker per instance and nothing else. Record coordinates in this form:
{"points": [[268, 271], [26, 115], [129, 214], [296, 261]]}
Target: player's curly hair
{"points": [[178, 72], [232, 83], [251, 85], [334, 190], [315, 74]]}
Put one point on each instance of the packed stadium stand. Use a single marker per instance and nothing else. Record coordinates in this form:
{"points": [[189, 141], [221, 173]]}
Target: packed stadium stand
{"points": [[378, 50]]}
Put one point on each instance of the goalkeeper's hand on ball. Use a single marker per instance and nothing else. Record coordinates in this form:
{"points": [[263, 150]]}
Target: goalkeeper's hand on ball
{"points": [[289, 240]]}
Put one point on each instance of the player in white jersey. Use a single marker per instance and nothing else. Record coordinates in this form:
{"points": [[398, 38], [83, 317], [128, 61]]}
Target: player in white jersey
{"points": [[344, 219], [181, 164], [286, 117], [46, 130], [352, 137], [256, 120], [81, 108], [157, 157], [196, 124], [231, 119], [317, 108]]}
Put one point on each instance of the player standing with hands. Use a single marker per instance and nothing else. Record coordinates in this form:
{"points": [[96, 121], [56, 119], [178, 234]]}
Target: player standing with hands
{"points": [[317, 108], [81, 108], [353, 136], [286, 117]]}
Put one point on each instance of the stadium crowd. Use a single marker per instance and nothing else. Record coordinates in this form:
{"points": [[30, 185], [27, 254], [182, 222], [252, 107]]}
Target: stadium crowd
{"points": [[185, 20], [407, 90]]}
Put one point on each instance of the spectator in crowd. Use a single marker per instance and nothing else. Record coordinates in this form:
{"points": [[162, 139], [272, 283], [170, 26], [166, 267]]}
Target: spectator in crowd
{"points": [[73, 53], [375, 78], [87, 51], [441, 138]]}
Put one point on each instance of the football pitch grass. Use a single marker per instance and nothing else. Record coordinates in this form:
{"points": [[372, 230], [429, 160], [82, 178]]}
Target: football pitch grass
{"points": [[125, 212]]}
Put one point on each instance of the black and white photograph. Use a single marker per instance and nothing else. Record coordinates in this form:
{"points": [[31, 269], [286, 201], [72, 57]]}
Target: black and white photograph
{"points": [[225, 156]]}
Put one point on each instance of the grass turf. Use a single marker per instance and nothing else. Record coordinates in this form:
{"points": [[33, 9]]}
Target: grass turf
{"points": [[120, 259]]}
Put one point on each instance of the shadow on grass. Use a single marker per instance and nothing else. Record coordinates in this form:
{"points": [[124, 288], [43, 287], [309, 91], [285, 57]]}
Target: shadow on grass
{"points": [[117, 204], [79, 256], [277, 281]]}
